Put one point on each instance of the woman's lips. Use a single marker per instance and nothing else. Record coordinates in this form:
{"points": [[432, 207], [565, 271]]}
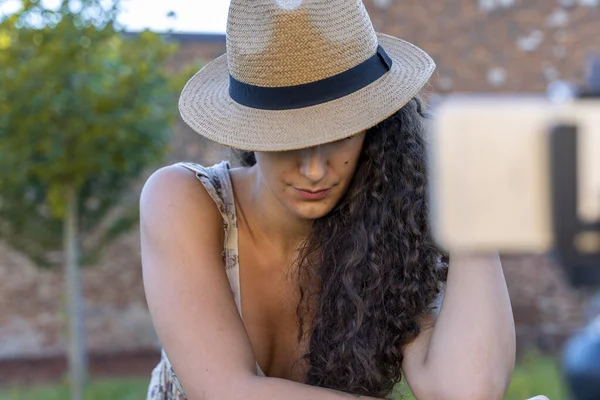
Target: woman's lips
{"points": [[312, 194]]}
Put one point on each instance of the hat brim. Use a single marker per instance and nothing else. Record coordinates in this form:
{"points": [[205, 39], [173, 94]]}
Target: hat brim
{"points": [[205, 105]]}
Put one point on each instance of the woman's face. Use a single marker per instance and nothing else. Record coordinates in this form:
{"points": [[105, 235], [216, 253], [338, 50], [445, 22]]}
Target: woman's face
{"points": [[309, 182]]}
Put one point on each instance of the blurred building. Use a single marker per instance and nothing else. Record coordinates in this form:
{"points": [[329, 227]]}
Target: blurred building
{"points": [[479, 45]]}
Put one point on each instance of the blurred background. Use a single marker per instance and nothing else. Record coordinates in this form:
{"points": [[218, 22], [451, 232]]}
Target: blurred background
{"points": [[88, 110]]}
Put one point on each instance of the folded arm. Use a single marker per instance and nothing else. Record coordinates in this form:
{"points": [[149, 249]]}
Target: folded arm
{"points": [[469, 351]]}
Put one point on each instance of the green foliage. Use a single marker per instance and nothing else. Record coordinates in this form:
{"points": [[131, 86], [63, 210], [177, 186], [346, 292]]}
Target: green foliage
{"points": [[98, 390], [83, 106], [535, 374]]}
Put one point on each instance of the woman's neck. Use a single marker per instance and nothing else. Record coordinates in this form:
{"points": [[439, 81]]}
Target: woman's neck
{"points": [[264, 215]]}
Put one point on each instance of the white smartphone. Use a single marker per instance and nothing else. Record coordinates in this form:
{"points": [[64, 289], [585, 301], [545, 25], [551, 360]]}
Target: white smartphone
{"points": [[490, 170]]}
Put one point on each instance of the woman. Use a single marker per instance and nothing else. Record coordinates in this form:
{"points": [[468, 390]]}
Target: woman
{"points": [[310, 272]]}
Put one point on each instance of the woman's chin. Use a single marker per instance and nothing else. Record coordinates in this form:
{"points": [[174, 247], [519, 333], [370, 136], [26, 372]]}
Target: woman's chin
{"points": [[312, 211]]}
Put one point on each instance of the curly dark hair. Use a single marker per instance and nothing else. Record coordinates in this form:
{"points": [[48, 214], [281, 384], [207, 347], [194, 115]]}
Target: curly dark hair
{"points": [[369, 268]]}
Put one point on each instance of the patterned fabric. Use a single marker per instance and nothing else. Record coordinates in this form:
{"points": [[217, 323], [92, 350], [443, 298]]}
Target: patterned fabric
{"points": [[164, 384]]}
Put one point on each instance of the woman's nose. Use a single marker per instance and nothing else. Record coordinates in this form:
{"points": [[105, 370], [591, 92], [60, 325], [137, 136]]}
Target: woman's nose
{"points": [[313, 163]]}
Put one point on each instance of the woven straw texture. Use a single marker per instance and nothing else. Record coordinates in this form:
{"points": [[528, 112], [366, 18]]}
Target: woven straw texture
{"points": [[277, 43]]}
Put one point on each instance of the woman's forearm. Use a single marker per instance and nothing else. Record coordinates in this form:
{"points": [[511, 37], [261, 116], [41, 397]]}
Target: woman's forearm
{"points": [[472, 347], [261, 388]]}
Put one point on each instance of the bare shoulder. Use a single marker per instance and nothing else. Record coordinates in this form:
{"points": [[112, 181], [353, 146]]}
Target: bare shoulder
{"points": [[176, 210], [172, 183], [173, 195]]}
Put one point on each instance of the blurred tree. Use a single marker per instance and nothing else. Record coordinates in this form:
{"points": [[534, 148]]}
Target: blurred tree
{"points": [[84, 109]]}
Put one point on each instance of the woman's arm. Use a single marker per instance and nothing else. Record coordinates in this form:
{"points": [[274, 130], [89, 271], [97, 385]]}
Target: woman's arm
{"points": [[469, 351], [190, 299]]}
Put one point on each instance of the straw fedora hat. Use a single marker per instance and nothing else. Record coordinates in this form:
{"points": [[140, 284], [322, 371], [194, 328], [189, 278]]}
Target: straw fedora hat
{"points": [[300, 73]]}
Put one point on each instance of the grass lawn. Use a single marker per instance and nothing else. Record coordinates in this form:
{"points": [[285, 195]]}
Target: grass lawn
{"points": [[113, 389], [534, 375]]}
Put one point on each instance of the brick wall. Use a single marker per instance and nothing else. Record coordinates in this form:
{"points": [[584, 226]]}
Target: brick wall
{"points": [[496, 45], [201, 47], [500, 45]]}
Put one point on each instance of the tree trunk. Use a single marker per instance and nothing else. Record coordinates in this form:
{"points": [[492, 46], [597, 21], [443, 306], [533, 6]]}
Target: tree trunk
{"points": [[75, 302]]}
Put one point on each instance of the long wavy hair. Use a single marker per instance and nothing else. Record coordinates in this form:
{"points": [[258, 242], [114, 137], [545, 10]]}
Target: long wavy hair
{"points": [[369, 268]]}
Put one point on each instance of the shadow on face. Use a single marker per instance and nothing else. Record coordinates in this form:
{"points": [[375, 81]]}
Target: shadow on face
{"points": [[309, 182]]}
